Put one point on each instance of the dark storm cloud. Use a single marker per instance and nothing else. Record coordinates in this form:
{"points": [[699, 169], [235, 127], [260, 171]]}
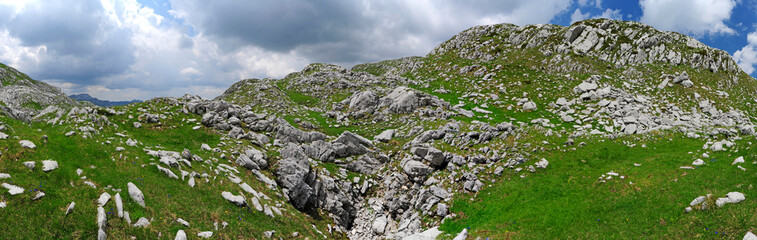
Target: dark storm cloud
{"points": [[80, 46], [350, 31]]}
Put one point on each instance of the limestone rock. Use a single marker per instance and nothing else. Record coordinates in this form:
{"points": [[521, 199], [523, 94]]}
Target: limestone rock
{"points": [[49, 165], [27, 144], [70, 208], [29, 164], [13, 189], [237, 200], [136, 194], [529, 106], [181, 235], [142, 222], [416, 169], [206, 234]]}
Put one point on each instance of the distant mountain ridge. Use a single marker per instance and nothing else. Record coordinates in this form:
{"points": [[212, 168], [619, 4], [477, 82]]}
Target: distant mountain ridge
{"points": [[102, 103]]}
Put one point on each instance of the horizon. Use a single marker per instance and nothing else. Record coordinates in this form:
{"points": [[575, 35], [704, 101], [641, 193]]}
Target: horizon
{"points": [[121, 50]]}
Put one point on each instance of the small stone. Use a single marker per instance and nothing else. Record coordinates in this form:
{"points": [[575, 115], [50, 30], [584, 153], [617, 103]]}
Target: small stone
{"points": [[542, 163], [29, 164], [142, 222], [101, 218], [529, 106], [238, 200], [206, 234], [181, 235], [750, 236], [70, 208], [27, 144], [462, 235], [183, 222], [4, 175], [136, 194], [738, 160], [379, 225], [49, 165], [698, 162], [13, 189], [39, 195], [104, 198], [119, 205]]}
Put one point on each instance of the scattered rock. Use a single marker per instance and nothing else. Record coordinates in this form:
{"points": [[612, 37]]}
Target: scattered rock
{"points": [[13, 189], [27, 144], [529, 106], [136, 194], [104, 198], [29, 164], [49, 165], [698, 162], [183, 222], [738, 160], [39, 195], [238, 200], [142, 222], [385, 136], [731, 197], [181, 235], [206, 234], [119, 205], [462, 235], [542, 163], [750, 236], [379, 225]]}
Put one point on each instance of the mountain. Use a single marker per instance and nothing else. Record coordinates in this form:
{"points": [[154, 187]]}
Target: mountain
{"points": [[101, 103], [22, 97], [603, 129]]}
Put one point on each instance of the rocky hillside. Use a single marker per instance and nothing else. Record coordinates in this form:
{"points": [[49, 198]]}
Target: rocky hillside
{"points": [[602, 129], [24, 98]]}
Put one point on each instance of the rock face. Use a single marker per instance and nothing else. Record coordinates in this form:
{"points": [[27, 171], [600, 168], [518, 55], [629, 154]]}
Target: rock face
{"points": [[296, 177]]}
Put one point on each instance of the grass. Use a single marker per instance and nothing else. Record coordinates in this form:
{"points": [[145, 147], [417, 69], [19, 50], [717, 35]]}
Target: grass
{"points": [[167, 199], [566, 200]]}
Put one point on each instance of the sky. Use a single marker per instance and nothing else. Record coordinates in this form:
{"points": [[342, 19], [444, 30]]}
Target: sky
{"points": [[139, 49]]}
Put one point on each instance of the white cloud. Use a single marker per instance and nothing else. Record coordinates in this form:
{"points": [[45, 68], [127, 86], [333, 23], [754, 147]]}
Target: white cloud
{"points": [[611, 14], [608, 13], [697, 17], [746, 58], [578, 16]]}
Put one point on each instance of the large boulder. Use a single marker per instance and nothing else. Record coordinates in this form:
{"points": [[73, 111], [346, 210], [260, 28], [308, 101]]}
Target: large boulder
{"points": [[416, 169], [295, 176], [434, 156], [363, 103], [353, 145], [287, 133]]}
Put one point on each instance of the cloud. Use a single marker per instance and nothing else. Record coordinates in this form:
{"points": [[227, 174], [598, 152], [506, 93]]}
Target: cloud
{"points": [[578, 16], [746, 58], [348, 32], [696, 17], [608, 13], [121, 49]]}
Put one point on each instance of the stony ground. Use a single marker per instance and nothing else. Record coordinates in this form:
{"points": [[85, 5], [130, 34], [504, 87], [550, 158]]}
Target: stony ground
{"points": [[603, 129]]}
